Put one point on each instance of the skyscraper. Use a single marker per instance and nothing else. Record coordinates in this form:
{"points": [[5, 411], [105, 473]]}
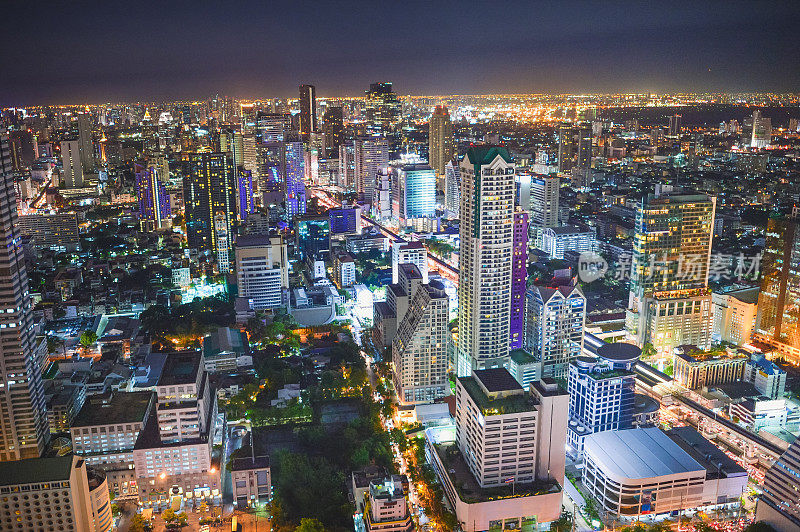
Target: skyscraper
{"points": [[154, 204], [519, 279], [544, 205], [675, 125], [452, 187], [567, 148], [86, 147], [246, 195], [262, 270], [72, 169], [308, 110], [294, 175], [333, 129], [409, 253], [209, 189], [762, 131], [778, 317], [414, 198], [23, 420], [779, 504], [554, 321], [669, 303], [486, 231], [369, 154], [440, 139], [584, 142], [383, 115]]}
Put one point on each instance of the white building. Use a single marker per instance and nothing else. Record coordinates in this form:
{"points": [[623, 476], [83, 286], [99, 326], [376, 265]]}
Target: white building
{"points": [[344, 270], [72, 169], [557, 240], [486, 232], [637, 472], [544, 204], [262, 270], [387, 508], [452, 188], [734, 315], [409, 253], [181, 277], [759, 413], [765, 375], [369, 155]]}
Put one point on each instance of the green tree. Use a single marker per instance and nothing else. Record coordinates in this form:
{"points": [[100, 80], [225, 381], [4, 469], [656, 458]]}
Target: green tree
{"points": [[137, 523], [648, 350], [169, 515], [310, 525], [88, 338]]}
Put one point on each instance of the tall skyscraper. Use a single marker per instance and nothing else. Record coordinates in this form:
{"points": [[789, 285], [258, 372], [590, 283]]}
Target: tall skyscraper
{"points": [[154, 204], [308, 110], [86, 147], [23, 420], [762, 131], [567, 148], [778, 316], [409, 253], [333, 129], [779, 504], [419, 349], [72, 169], [544, 205], [414, 201], [440, 139], [383, 114], [669, 303], [486, 231], [294, 175], [554, 320], [675, 125], [452, 187], [519, 279], [584, 142], [209, 189], [246, 204], [369, 154]]}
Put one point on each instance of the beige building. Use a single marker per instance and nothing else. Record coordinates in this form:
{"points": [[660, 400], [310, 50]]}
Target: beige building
{"points": [[734, 315], [45, 494], [252, 481], [262, 270], [696, 369], [387, 507]]}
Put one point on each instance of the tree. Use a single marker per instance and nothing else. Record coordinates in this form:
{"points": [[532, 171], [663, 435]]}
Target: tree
{"points": [[648, 350], [169, 515], [309, 525], [88, 338], [137, 523]]}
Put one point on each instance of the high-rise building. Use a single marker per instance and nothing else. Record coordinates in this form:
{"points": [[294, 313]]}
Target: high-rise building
{"points": [[762, 130], [554, 321], [486, 231], [675, 125], [154, 203], [519, 280], [778, 317], [779, 504], [308, 110], [209, 190], [71, 167], [294, 179], [414, 198], [440, 140], [58, 231], [734, 314], [544, 205], [347, 167], [419, 349], [382, 110], [369, 155], [245, 193], [262, 270], [23, 420], [567, 148], [223, 243], [250, 163], [601, 392], [584, 142], [345, 220], [86, 146], [409, 253], [452, 187], [669, 303], [333, 130]]}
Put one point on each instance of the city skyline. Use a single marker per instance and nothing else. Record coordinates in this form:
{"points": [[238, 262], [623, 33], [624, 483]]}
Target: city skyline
{"points": [[181, 50]]}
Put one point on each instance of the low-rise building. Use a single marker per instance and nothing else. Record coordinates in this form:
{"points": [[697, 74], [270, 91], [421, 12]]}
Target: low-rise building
{"points": [[695, 369], [765, 375], [387, 507], [252, 481], [557, 240], [344, 270], [226, 349], [761, 412]]}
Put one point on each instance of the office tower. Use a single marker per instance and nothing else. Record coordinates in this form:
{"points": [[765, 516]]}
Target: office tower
{"points": [[59, 493], [669, 303], [250, 162], [369, 155], [440, 139], [584, 143], [383, 113], [104, 434], [567, 148], [155, 212], [486, 229], [734, 313], [383, 207], [554, 320], [387, 509], [601, 392], [419, 349], [174, 448], [209, 190], [779, 504], [333, 130], [657, 137], [778, 317], [345, 220], [414, 201], [544, 205], [262, 270], [273, 127], [23, 421], [72, 169], [452, 187], [483, 426], [313, 237], [519, 280], [409, 253], [246, 195], [24, 149], [86, 146], [308, 110], [294, 179], [675, 125], [347, 168], [762, 131], [223, 243]]}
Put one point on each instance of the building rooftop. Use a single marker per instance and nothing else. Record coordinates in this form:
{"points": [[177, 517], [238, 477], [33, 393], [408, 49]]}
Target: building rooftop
{"points": [[520, 356], [497, 380], [180, 368], [253, 240], [639, 453], [567, 230], [706, 453], [517, 401], [121, 407], [35, 470], [485, 154], [248, 463], [619, 352]]}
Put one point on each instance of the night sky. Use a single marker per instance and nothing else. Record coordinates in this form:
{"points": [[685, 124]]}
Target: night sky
{"points": [[87, 52]]}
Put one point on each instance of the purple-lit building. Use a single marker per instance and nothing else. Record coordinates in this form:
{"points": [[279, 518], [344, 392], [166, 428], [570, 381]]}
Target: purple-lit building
{"points": [[295, 184], [519, 279], [345, 220], [245, 190], [154, 204]]}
